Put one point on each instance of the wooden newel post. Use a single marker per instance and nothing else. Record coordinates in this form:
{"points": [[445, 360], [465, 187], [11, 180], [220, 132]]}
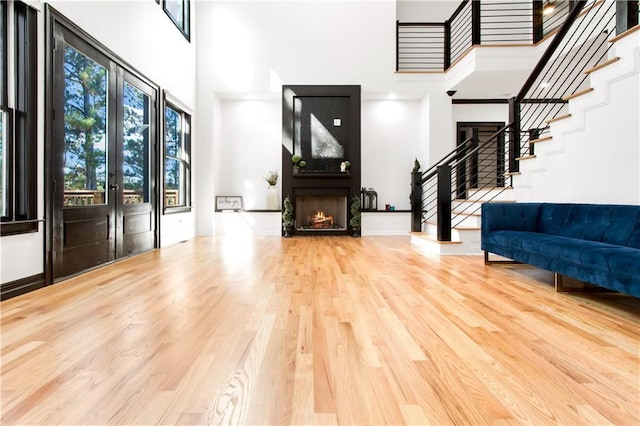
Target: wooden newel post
{"points": [[444, 203], [416, 202]]}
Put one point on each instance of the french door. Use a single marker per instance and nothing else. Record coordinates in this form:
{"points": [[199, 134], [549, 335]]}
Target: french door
{"points": [[104, 167]]}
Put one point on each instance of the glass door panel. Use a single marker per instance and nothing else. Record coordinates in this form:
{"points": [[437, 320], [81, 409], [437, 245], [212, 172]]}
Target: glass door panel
{"points": [[4, 162], [85, 130], [135, 150], [173, 168]]}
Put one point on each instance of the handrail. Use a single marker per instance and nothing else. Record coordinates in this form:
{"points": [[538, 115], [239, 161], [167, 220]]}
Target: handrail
{"points": [[550, 51], [431, 171], [443, 160]]}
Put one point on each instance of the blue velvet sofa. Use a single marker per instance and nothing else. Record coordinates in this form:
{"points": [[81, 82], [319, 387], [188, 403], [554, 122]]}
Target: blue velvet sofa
{"points": [[594, 243]]}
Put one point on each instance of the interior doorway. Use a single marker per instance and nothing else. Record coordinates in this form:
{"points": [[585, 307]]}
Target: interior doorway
{"points": [[484, 167]]}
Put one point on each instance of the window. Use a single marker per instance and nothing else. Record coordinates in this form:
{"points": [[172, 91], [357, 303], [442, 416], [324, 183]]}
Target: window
{"points": [[179, 12], [4, 115], [177, 159], [18, 121]]}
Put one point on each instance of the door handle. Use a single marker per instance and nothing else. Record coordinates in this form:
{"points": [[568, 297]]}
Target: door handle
{"points": [[114, 186]]}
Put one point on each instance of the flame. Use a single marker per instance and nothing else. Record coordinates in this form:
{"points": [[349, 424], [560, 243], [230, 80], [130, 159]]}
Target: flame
{"points": [[321, 219]]}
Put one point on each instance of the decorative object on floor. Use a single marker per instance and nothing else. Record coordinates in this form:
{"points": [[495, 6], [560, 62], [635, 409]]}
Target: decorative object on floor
{"points": [[355, 221], [369, 199], [287, 217]]}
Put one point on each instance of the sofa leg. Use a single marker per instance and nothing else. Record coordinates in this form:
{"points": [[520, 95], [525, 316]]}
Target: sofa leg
{"points": [[565, 284], [492, 262]]}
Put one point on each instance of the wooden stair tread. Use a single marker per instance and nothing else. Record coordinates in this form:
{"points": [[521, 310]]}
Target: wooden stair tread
{"points": [[624, 34], [578, 93], [432, 238], [490, 188], [512, 173], [558, 118], [542, 139], [602, 65], [526, 157], [460, 200]]}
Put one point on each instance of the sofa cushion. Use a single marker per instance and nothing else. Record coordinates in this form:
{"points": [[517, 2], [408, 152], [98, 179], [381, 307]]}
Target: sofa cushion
{"points": [[618, 260], [613, 224]]}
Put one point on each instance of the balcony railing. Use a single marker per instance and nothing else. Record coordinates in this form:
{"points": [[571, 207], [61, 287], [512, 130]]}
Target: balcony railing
{"points": [[435, 46]]}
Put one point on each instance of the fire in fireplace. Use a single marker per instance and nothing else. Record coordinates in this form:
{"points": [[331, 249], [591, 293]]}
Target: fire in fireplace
{"points": [[320, 220], [321, 213]]}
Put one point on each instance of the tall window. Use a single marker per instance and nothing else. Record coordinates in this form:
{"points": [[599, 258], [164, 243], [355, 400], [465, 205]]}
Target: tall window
{"points": [[177, 159], [179, 12], [18, 121], [4, 114]]}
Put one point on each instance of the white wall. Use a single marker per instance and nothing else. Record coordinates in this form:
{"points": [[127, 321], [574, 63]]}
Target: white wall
{"points": [[479, 113], [255, 46], [390, 144], [425, 10], [251, 135]]}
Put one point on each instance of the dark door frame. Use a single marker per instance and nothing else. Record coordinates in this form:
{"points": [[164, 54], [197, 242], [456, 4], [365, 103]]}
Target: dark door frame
{"points": [[53, 20], [461, 172]]}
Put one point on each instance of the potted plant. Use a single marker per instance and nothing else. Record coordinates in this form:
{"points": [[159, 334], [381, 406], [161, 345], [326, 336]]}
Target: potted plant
{"points": [[272, 178], [355, 221], [296, 160], [287, 217]]}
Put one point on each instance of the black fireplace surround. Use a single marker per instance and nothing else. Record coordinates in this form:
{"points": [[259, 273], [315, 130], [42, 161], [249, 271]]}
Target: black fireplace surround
{"points": [[321, 125]]}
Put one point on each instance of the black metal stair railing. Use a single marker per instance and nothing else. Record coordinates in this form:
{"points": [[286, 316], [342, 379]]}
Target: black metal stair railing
{"points": [[544, 95], [477, 164], [452, 189]]}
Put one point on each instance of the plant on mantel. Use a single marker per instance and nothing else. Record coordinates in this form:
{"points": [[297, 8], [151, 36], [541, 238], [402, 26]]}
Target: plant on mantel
{"points": [[298, 163]]}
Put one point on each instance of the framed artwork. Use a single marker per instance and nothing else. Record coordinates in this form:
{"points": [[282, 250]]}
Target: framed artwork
{"points": [[228, 202]]}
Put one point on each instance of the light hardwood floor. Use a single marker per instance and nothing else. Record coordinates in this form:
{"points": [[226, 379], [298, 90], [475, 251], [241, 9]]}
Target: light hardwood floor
{"points": [[317, 330]]}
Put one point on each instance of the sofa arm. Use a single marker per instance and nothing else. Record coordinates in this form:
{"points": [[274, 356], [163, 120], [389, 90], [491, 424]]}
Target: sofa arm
{"points": [[509, 217]]}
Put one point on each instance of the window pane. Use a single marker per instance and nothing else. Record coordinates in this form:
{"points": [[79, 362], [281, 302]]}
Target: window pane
{"points": [[176, 9], [172, 133], [4, 161], [136, 146], [173, 181], [85, 114], [3, 53]]}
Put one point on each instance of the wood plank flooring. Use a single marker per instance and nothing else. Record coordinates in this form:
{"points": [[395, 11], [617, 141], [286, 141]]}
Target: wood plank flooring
{"points": [[317, 330]]}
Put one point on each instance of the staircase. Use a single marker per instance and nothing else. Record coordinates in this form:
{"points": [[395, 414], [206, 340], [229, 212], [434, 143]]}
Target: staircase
{"points": [[551, 129], [465, 235], [568, 158]]}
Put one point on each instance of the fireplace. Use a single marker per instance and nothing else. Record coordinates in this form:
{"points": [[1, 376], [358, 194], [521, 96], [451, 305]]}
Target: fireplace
{"points": [[321, 213], [321, 125]]}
